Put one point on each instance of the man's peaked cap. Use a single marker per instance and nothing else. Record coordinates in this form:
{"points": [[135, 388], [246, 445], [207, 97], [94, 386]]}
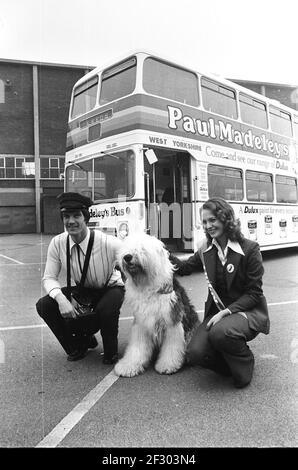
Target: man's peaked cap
{"points": [[71, 201]]}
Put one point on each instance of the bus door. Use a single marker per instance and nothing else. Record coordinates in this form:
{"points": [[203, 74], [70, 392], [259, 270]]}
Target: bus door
{"points": [[167, 181]]}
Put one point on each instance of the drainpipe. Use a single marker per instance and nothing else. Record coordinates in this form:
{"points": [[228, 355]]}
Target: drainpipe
{"points": [[36, 148]]}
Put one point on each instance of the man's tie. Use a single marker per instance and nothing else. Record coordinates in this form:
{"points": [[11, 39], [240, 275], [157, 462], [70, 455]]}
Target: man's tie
{"points": [[78, 251]]}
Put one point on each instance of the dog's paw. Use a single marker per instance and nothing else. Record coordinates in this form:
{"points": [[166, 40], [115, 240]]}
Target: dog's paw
{"points": [[163, 367], [123, 369]]}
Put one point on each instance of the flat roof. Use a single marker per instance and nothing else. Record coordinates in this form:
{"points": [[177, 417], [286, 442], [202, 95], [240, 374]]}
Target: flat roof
{"points": [[254, 82], [45, 64], [92, 67]]}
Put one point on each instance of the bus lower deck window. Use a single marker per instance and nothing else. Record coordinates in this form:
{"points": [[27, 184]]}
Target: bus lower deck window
{"points": [[259, 186], [286, 189], [225, 182]]}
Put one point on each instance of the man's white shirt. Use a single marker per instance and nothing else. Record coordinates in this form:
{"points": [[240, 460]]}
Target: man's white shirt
{"points": [[101, 264]]}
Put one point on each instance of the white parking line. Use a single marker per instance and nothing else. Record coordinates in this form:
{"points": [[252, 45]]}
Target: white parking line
{"points": [[273, 304], [27, 327], [7, 328], [60, 431], [23, 264], [11, 259], [268, 356]]}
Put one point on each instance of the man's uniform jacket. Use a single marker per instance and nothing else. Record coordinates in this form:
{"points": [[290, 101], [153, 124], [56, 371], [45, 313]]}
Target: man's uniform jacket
{"points": [[244, 283]]}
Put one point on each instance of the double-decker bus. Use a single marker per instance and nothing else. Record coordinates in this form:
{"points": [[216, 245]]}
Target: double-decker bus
{"points": [[149, 141]]}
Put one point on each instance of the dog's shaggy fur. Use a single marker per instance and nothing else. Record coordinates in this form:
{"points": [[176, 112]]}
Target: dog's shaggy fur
{"points": [[163, 315]]}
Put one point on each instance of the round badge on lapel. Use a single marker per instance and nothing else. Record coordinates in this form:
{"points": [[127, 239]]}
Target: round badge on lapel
{"points": [[230, 268]]}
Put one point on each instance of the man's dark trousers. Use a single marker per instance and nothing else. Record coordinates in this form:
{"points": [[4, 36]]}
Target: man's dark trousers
{"points": [[74, 333]]}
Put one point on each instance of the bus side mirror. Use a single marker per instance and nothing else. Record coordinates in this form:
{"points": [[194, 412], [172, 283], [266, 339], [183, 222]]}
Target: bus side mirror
{"points": [[151, 156]]}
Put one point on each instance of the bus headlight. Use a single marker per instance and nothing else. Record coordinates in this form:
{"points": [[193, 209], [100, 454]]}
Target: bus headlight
{"points": [[122, 230]]}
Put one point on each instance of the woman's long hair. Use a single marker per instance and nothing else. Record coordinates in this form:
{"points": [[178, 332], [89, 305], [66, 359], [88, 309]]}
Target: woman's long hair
{"points": [[224, 212]]}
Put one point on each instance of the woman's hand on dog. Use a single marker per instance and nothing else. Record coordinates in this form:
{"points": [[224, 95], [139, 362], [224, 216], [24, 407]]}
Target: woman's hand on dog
{"points": [[217, 317]]}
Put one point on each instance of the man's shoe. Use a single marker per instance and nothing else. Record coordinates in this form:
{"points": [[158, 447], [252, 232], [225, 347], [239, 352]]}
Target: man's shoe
{"points": [[77, 354], [110, 359], [92, 342], [81, 352]]}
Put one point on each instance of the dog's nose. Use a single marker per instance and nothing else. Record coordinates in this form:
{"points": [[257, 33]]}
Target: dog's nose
{"points": [[127, 258]]}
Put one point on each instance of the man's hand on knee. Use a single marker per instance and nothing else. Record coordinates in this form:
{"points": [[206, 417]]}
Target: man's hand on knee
{"points": [[65, 307]]}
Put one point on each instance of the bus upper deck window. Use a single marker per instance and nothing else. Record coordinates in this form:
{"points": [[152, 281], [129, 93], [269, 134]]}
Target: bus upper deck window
{"points": [[84, 97], [218, 99], [168, 81], [280, 122], [295, 125], [118, 81], [253, 111]]}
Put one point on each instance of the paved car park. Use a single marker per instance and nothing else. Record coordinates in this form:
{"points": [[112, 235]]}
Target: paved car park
{"points": [[47, 401]]}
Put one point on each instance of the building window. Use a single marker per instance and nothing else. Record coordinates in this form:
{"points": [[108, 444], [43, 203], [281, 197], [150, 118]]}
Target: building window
{"points": [[2, 167], [51, 167], [253, 111], [54, 168], [218, 99], [225, 182], [170, 82], [286, 189], [29, 169], [17, 167], [259, 186]]}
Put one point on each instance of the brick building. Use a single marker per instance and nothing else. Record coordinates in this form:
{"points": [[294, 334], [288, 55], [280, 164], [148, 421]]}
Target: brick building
{"points": [[34, 103]]}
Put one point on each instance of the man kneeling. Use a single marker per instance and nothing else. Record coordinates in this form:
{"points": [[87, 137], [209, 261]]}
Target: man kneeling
{"points": [[103, 284]]}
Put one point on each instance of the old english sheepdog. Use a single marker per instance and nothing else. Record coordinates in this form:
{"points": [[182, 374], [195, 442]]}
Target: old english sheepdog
{"points": [[163, 315]]}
